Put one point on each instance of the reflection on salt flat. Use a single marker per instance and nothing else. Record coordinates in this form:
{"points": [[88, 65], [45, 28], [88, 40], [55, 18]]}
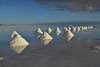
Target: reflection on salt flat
{"points": [[18, 49]]}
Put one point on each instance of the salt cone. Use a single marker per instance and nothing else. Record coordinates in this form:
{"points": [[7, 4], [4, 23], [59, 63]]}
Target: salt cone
{"points": [[69, 28], [90, 27], [86, 28], [82, 28], [38, 33], [73, 29], [45, 38], [18, 44], [57, 31], [65, 29], [78, 28], [49, 30], [68, 35]]}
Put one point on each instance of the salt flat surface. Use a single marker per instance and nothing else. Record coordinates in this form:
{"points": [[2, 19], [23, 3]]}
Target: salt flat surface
{"points": [[59, 54]]}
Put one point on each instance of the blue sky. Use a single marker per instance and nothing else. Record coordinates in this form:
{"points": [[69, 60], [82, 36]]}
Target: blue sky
{"points": [[28, 12]]}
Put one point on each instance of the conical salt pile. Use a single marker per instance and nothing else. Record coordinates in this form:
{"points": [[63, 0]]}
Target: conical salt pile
{"points": [[38, 32], [86, 28], [49, 30], [57, 31], [82, 28], [18, 44], [45, 38], [69, 28], [65, 29], [73, 29], [78, 28], [13, 34], [68, 35], [90, 27]]}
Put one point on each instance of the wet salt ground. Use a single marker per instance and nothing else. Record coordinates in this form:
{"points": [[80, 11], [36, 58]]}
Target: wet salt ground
{"points": [[57, 54]]}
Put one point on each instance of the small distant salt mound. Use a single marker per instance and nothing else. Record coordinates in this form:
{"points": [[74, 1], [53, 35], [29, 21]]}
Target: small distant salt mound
{"points": [[90, 27], [78, 28], [49, 30], [1, 58], [57, 31], [38, 32], [68, 35], [97, 48], [73, 29], [69, 28], [45, 38], [81, 27], [85, 28], [18, 44], [65, 29]]}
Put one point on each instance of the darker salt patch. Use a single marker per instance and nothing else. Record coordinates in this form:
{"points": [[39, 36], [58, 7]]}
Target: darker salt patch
{"points": [[95, 48]]}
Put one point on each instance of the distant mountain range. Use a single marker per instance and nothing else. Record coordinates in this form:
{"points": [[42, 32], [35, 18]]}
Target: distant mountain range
{"points": [[49, 23], [7, 24], [15, 24]]}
